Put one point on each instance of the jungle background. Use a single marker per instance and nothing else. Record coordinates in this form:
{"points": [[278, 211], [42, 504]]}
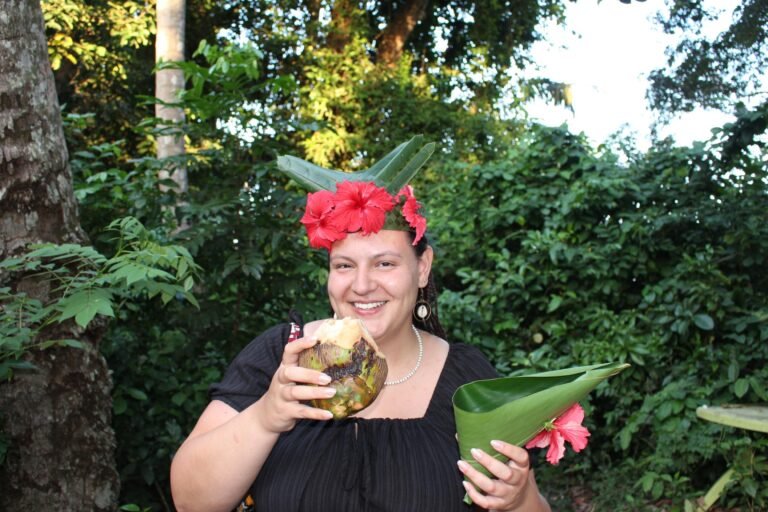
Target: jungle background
{"points": [[551, 252]]}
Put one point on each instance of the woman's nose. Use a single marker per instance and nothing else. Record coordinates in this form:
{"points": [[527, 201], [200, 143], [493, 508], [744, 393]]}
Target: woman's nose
{"points": [[363, 283]]}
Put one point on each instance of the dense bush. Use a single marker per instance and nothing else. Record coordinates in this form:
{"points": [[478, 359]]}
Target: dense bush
{"points": [[551, 255], [557, 255]]}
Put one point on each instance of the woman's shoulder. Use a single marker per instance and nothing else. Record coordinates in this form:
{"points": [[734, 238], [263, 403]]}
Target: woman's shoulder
{"points": [[469, 362]]}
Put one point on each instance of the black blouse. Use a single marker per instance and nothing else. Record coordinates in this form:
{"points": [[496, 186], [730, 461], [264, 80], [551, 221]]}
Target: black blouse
{"points": [[356, 464]]}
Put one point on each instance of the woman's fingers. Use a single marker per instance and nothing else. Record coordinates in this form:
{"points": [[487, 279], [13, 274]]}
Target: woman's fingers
{"points": [[294, 348], [480, 480], [292, 386], [305, 393], [508, 481], [299, 375], [516, 455]]}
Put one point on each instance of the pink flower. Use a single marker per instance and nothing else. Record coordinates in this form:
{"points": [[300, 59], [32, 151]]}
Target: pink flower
{"points": [[411, 212], [322, 229], [361, 206], [565, 428]]}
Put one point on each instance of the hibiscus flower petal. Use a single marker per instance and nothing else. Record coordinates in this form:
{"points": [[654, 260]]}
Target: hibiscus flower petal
{"points": [[574, 414], [556, 448], [575, 434], [540, 441]]}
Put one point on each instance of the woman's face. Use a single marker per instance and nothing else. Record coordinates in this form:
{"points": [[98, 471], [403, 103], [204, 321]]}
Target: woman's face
{"points": [[376, 278]]}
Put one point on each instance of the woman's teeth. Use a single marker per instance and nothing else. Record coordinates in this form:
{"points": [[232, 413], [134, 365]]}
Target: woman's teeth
{"points": [[368, 305]]}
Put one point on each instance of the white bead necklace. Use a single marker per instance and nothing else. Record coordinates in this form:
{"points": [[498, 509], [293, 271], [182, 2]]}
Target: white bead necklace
{"points": [[418, 361]]}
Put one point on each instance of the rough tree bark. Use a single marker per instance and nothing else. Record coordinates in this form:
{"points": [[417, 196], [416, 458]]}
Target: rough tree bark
{"points": [[392, 40], [58, 418], [169, 47]]}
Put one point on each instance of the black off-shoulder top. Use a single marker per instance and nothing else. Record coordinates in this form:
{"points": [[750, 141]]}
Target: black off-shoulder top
{"points": [[356, 465]]}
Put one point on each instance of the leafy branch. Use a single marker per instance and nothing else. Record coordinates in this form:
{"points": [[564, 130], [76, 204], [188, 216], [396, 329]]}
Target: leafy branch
{"points": [[85, 283]]}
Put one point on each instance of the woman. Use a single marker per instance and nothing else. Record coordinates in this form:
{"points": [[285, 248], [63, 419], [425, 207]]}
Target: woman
{"points": [[258, 438]]}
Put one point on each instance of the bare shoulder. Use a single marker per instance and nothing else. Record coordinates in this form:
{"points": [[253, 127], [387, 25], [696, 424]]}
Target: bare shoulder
{"points": [[437, 347]]}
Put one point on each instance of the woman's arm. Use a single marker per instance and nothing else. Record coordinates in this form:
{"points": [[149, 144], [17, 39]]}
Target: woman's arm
{"points": [[218, 462]]}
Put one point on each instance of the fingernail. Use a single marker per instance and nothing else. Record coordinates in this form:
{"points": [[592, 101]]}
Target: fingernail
{"points": [[476, 453], [497, 445], [329, 415], [463, 466], [329, 392], [324, 379], [466, 485]]}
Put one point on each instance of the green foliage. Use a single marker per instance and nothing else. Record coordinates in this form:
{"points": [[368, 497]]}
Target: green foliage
{"points": [[159, 392], [239, 226], [558, 256], [85, 283], [582, 258], [705, 71]]}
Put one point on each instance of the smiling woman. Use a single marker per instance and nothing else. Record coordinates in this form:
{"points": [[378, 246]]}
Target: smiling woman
{"points": [[260, 444]]}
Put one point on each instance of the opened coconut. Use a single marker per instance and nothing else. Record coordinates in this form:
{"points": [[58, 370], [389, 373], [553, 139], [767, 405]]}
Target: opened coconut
{"points": [[347, 353]]}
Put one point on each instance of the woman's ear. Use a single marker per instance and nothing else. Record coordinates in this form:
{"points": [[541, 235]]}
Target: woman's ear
{"points": [[425, 266]]}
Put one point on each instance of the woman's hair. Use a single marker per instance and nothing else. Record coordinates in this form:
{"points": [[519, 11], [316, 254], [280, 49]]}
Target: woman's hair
{"points": [[432, 323]]}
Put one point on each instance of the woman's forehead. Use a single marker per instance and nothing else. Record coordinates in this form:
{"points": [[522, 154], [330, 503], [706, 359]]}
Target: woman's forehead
{"points": [[384, 242]]}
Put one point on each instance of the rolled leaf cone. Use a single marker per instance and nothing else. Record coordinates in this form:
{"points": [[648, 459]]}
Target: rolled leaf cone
{"points": [[515, 409]]}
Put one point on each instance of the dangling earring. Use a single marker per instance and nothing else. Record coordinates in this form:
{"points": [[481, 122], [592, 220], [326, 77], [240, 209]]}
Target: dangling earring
{"points": [[422, 310], [334, 316]]}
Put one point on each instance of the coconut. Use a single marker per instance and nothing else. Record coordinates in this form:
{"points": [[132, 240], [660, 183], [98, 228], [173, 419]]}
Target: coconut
{"points": [[347, 353]]}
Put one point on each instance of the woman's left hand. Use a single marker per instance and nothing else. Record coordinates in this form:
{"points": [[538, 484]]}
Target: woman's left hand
{"points": [[507, 491]]}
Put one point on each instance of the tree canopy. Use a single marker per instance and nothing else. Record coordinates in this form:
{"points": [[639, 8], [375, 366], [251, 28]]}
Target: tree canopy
{"points": [[713, 72], [549, 252]]}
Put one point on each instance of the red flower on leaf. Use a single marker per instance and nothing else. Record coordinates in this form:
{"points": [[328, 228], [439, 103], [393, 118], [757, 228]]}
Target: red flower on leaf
{"points": [[361, 206], [411, 212], [567, 427], [321, 226]]}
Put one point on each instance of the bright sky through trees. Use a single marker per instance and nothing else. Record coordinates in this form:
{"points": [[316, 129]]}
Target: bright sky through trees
{"points": [[606, 51]]}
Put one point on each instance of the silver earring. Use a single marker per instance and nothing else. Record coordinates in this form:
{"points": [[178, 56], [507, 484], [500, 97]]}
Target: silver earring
{"points": [[334, 316], [422, 310]]}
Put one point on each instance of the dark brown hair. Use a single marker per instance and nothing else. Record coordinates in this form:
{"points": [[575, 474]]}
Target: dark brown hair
{"points": [[432, 324]]}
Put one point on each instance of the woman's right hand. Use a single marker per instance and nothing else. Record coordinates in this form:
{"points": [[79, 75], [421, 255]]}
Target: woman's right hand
{"points": [[291, 384]]}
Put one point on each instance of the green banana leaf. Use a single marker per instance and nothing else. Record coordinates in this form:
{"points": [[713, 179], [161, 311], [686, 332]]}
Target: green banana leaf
{"points": [[514, 409], [392, 172]]}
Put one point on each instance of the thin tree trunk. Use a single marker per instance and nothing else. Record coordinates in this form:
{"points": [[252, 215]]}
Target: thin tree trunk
{"points": [[169, 47], [58, 417], [342, 24], [392, 40]]}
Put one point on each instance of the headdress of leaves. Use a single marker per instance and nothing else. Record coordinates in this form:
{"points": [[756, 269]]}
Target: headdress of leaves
{"points": [[368, 201], [392, 172]]}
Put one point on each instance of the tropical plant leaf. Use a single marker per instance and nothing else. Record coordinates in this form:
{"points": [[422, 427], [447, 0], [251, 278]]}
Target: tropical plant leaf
{"points": [[85, 304], [393, 171], [514, 409]]}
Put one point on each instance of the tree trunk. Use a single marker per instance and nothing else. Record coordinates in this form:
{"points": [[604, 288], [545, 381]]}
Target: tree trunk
{"points": [[58, 417], [169, 47], [392, 40], [342, 24]]}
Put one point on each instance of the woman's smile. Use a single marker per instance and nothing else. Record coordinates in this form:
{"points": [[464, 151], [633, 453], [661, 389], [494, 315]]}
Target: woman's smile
{"points": [[376, 278], [368, 306]]}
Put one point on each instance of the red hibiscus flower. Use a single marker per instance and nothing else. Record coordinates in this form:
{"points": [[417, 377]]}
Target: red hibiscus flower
{"points": [[411, 212], [319, 221], [361, 206], [555, 433]]}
